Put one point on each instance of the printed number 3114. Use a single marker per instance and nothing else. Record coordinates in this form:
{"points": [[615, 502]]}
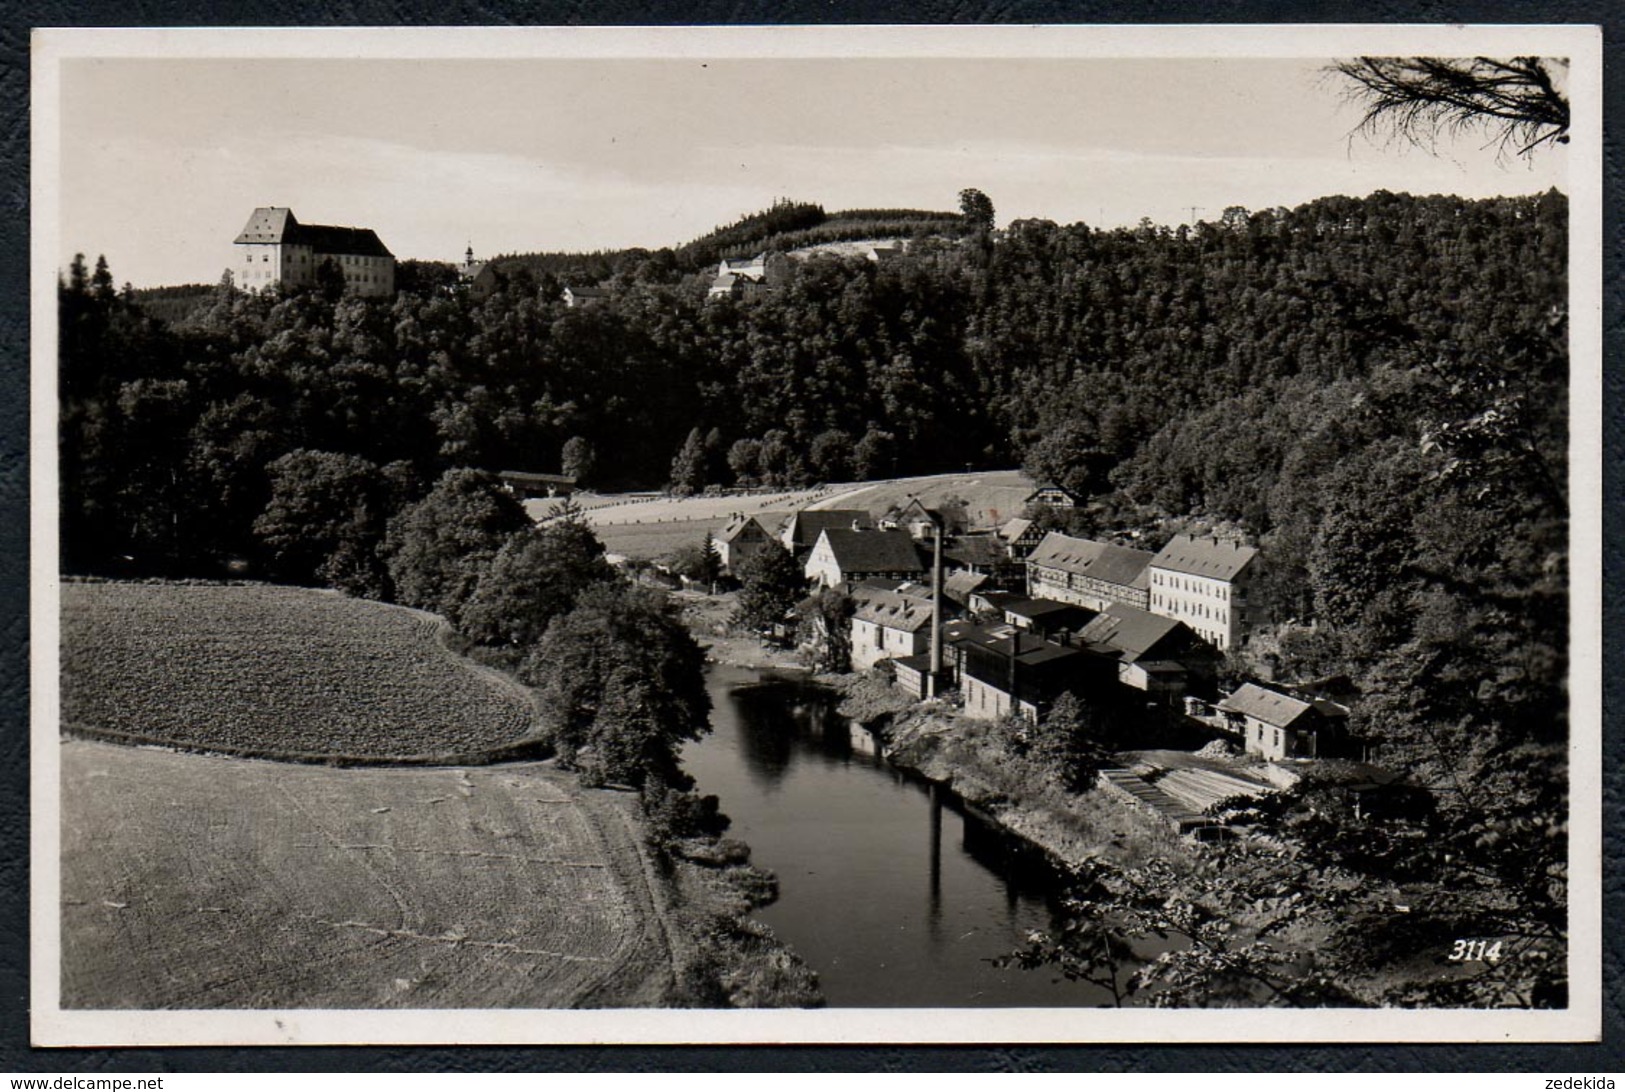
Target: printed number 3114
{"points": [[1475, 951]]}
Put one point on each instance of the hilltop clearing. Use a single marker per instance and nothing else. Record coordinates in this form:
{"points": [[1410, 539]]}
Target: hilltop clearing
{"points": [[195, 881], [652, 525]]}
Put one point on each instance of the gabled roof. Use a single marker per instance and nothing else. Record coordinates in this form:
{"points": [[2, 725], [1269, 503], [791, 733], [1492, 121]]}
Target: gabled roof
{"points": [[1211, 557], [1129, 632], [267, 225], [741, 526], [1013, 530], [809, 524], [278, 225], [959, 586], [895, 611], [341, 240], [1100, 560], [873, 551], [588, 293], [1270, 706], [1051, 487]]}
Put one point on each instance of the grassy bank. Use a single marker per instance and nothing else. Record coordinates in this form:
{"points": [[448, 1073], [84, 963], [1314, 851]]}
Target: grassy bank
{"points": [[971, 758]]}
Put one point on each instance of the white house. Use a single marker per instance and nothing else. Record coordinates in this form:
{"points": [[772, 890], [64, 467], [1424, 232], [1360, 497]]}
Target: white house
{"points": [[1204, 582], [742, 538], [842, 555], [889, 625]]}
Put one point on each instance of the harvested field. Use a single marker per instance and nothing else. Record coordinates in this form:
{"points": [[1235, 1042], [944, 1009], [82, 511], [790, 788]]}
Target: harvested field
{"points": [[277, 672], [196, 881]]}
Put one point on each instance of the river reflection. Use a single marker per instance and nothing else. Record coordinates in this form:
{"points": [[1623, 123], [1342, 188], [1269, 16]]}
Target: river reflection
{"points": [[894, 891]]}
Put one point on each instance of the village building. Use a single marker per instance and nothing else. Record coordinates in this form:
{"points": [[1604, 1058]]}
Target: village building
{"points": [[1019, 537], [1016, 674], [843, 554], [1204, 582], [743, 537], [747, 278], [479, 279], [1046, 617], [1279, 726], [580, 297], [889, 625], [1088, 573], [275, 249], [912, 675], [1155, 654], [980, 553], [525, 485], [1053, 496], [959, 587], [802, 529]]}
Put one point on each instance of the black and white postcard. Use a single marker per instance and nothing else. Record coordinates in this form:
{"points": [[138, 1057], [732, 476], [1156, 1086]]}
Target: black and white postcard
{"points": [[816, 534]]}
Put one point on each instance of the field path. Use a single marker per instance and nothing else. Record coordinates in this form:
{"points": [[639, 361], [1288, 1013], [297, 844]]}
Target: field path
{"points": [[196, 881]]}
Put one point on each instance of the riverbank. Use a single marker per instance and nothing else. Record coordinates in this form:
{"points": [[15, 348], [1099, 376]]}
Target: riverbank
{"points": [[968, 758], [707, 620]]}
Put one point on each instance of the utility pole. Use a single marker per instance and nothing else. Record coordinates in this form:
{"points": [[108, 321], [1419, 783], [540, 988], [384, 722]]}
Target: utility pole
{"points": [[936, 601], [1194, 210], [934, 680]]}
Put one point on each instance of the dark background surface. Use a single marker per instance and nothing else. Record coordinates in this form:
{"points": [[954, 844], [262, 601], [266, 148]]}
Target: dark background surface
{"points": [[16, 1054]]}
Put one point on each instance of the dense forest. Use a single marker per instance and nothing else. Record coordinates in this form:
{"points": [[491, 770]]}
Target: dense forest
{"points": [[1372, 390]]}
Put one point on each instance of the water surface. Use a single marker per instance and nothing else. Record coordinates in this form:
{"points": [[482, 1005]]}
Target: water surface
{"points": [[892, 890]]}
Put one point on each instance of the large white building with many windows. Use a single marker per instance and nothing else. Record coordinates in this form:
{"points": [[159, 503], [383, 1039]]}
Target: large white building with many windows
{"points": [[275, 249], [1205, 583]]}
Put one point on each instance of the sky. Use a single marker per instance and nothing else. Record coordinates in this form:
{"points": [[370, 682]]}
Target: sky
{"points": [[163, 160]]}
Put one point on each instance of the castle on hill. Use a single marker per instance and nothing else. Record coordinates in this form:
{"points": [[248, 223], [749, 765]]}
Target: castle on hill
{"points": [[274, 248]]}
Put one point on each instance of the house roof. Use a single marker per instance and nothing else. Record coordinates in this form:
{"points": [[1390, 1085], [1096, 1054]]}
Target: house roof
{"points": [[808, 524], [1270, 706], [738, 527], [975, 550], [873, 551], [1027, 649], [1013, 530], [958, 586], [895, 611], [920, 662], [961, 630], [1100, 560], [587, 293], [526, 477], [278, 225], [267, 225], [1050, 487], [1044, 608], [1208, 556], [1127, 631]]}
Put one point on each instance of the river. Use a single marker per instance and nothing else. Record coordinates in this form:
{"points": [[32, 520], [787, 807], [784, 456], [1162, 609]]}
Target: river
{"points": [[888, 887]]}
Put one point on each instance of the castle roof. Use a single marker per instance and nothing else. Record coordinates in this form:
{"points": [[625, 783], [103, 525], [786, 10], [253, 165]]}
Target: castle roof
{"points": [[279, 225]]}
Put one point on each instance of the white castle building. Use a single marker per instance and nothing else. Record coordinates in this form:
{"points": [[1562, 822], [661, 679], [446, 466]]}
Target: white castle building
{"points": [[276, 249]]}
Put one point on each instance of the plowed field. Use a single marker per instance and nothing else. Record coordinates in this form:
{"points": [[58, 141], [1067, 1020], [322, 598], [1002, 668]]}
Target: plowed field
{"points": [[197, 881], [276, 671]]}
